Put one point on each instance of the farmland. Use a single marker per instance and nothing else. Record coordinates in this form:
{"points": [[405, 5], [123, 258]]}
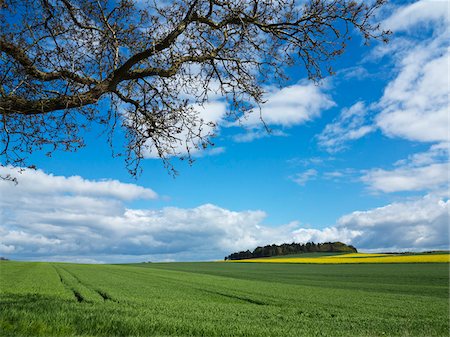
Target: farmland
{"points": [[354, 258], [224, 299]]}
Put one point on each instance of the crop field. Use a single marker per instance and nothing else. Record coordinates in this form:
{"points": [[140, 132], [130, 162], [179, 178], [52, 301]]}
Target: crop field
{"points": [[354, 258], [224, 299]]}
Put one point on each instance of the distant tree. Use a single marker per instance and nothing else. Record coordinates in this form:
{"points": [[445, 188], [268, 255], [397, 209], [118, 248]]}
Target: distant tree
{"points": [[293, 248], [143, 65]]}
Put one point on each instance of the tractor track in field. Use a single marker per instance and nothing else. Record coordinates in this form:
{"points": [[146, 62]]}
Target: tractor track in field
{"points": [[75, 293], [103, 294], [235, 297]]}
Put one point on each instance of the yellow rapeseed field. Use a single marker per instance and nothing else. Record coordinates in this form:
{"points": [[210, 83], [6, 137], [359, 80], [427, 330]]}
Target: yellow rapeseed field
{"points": [[356, 255], [358, 258]]}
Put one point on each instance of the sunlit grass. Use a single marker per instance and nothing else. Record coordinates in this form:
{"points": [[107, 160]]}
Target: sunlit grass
{"points": [[223, 299]]}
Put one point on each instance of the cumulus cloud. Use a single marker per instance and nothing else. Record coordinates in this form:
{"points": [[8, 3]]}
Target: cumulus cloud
{"points": [[420, 12], [410, 225], [72, 226], [415, 103], [286, 107], [329, 234], [351, 124], [78, 223], [292, 105], [426, 171], [420, 224], [408, 179], [36, 181]]}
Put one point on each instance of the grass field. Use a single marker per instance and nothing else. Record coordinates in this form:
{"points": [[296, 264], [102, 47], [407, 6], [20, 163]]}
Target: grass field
{"points": [[224, 299]]}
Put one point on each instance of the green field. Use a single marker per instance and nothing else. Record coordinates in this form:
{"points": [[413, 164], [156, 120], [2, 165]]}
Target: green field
{"points": [[224, 299]]}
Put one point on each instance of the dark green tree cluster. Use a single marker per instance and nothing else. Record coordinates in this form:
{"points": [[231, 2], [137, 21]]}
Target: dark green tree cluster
{"points": [[292, 248]]}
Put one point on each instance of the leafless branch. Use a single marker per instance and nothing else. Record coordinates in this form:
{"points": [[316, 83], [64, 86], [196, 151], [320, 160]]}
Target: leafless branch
{"points": [[62, 60]]}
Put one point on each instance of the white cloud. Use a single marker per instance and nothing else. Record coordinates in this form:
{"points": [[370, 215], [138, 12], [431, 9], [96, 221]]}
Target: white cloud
{"points": [[100, 228], [420, 12], [284, 108], [408, 179], [253, 134], [289, 106], [329, 234], [38, 182], [213, 151], [354, 73], [414, 225], [411, 225], [351, 124], [76, 224], [415, 103], [303, 177], [426, 171], [6, 249], [347, 174]]}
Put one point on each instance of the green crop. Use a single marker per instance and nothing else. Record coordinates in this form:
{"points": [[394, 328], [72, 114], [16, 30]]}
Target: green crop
{"points": [[223, 299]]}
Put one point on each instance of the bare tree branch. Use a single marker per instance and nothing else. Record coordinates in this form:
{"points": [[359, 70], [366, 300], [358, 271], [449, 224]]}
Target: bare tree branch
{"points": [[18, 54], [62, 61]]}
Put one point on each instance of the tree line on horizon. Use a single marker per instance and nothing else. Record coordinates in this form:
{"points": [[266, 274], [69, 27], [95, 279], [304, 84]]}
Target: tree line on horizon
{"points": [[292, 248]]}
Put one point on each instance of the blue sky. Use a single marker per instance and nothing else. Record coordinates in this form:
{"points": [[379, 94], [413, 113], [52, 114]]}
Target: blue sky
{"points": [[361, 158]]}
